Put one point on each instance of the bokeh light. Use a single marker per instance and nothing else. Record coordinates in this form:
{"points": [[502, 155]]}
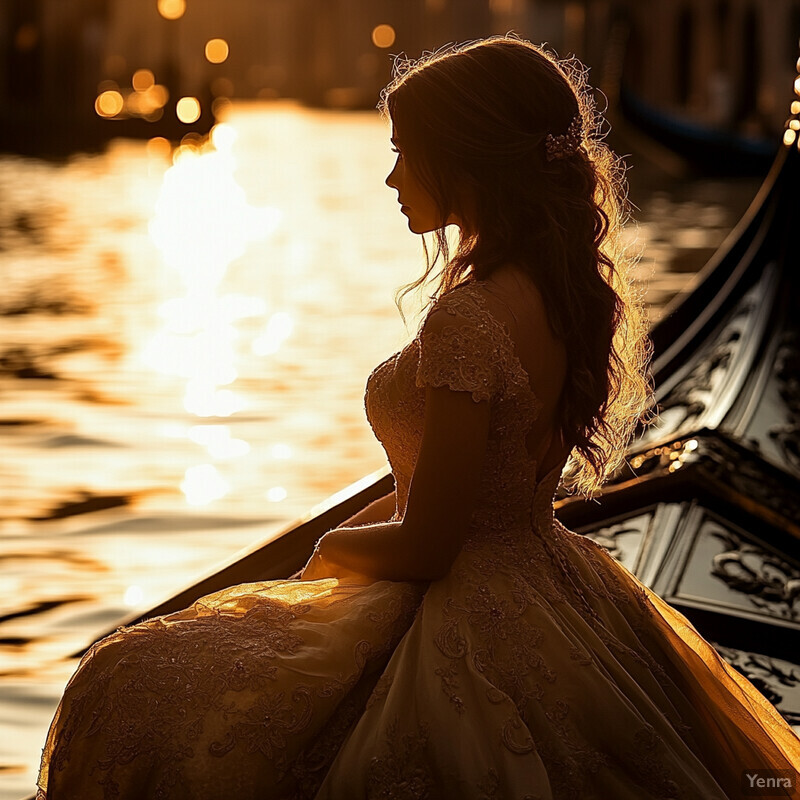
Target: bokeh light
{"points": [[171, 9], [133, 596], [789, 136], [218, 441], [278, 329], [26, 37], [383, 35], [188, 110], [281, 450], [217, 50], [202, 484], [159, 147], [276, 494], [220, 107], [223, 136], [143, 79], [109, 103]]}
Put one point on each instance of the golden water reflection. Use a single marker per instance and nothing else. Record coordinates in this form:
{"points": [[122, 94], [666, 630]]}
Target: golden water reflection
{"points": [[202, 223]]}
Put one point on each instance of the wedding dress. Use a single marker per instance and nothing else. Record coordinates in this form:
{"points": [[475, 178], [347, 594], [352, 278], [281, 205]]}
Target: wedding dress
{"points": [[538, 668]]}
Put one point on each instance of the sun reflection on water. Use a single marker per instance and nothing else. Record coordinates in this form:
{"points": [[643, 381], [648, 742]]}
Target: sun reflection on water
{"points": [[202, 223], [202, 484]]}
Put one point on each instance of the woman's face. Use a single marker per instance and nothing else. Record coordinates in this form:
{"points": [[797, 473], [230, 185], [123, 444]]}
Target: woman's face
{"points": [[415, 202]]}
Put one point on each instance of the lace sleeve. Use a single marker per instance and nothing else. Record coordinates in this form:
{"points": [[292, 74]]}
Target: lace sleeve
{"points": [[459, 349]]}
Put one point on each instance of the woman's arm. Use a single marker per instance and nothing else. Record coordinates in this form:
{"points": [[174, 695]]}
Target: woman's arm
{"points": [[380, 510], [442, 497]]}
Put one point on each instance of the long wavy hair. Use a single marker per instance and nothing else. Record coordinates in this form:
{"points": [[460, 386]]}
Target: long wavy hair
{"points": [[473, 120]]}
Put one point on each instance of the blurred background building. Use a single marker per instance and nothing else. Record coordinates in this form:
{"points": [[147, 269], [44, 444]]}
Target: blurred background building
{"points": [[76, 73]]}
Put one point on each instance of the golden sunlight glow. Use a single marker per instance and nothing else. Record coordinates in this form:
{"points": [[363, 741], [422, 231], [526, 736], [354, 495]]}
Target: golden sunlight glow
{"points": [[218, 441], [797, 86], [202, 484], [143, 79], [795, 107], [278, 329], [794, 124], [203, 399], [383, 35], [789, 137], [281, 450], [171, 9], [109, 103], [133, 596], [188, 110], [276, 494], [202, 223], [217, 50]]}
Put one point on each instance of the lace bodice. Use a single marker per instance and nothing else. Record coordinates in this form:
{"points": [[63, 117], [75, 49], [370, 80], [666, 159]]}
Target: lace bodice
{"points": [[474, 352]]}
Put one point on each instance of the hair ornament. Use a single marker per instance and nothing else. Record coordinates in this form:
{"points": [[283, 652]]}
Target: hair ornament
{"points": [[565, 144]]}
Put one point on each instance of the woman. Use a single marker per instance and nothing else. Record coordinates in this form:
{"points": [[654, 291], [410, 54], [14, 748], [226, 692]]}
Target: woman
{"points": [[453, 640]]}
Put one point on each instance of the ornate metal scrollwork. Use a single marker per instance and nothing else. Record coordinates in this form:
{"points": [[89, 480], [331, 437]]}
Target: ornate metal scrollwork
{"points": [[787, 375], [770, 582], [699, 390]]}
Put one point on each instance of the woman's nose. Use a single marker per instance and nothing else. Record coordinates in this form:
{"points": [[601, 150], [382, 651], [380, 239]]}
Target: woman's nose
{"points": [[391, 180]]}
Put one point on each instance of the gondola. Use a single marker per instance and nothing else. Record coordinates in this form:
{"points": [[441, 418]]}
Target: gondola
{"points": [[708, 149], [706, 510]]}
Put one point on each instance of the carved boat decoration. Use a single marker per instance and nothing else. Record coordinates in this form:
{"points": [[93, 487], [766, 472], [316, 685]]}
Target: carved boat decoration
{"points": [[707, 512]]}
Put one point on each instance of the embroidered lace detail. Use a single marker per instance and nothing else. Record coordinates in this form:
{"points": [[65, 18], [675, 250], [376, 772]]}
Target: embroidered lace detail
{"points": [[158, 707], [402, 770], [458, 349], [461, 344]]}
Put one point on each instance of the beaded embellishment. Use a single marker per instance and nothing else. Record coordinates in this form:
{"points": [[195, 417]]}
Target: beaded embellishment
{"points": [[565, 144]]}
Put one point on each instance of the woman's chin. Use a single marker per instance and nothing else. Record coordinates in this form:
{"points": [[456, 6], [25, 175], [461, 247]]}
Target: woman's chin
{"points": [[415, 227]]}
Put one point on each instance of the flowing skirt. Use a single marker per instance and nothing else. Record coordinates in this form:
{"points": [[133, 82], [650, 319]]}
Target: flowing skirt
{"points": [[551, 674]]}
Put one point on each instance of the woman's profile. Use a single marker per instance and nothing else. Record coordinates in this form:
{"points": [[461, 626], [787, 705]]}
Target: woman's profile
{"points": [[453, 639]]}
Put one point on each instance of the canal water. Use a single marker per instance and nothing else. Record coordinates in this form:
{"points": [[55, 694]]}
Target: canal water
{"points": [[184, 343]]}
